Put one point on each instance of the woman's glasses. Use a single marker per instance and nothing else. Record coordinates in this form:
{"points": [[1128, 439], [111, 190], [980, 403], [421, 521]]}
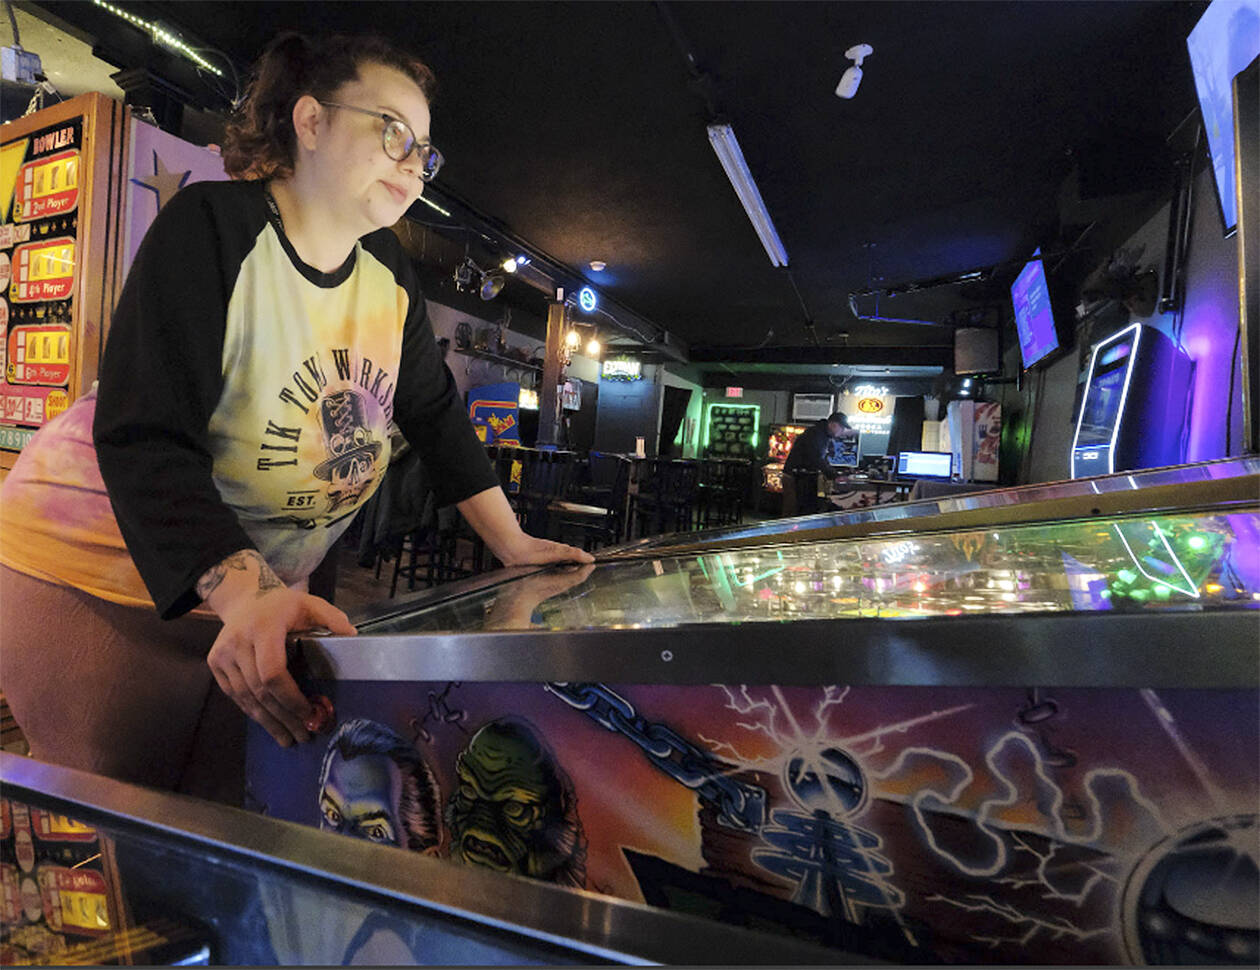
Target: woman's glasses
{"points": [[399, 141]]}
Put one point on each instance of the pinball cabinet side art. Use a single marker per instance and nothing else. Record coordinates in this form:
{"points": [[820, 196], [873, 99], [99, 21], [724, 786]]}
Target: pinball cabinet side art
{"points": [[911, 824]]}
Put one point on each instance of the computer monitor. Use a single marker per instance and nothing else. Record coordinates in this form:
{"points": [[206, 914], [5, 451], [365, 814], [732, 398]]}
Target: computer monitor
{"points": [[925, 464]]}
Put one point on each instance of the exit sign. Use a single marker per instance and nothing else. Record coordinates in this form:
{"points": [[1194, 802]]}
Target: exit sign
{"points": [[734, 392]]}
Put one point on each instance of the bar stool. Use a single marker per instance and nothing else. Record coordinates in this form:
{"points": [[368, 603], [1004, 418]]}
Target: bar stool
{"points": [[544, 479], [599, 521], [666, 500], [720, 496]]}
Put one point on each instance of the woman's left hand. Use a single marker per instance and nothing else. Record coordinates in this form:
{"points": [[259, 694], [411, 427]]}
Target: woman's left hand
{"points": [[526, 550]]}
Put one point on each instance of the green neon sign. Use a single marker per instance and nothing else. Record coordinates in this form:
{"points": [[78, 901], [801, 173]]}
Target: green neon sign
{"points": [[708, 419]]}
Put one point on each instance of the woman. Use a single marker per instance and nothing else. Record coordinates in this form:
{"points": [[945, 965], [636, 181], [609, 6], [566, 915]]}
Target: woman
{"points": [[269, 330]]}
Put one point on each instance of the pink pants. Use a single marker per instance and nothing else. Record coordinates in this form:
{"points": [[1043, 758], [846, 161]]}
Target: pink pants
{"points": [[117, 691]]}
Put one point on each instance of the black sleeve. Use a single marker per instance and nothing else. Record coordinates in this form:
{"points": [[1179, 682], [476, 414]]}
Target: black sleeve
{"points": [[431, 416], [160, 378]]}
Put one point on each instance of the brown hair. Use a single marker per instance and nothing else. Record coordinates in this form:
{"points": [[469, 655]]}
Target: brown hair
{"points": [[259, 141]]}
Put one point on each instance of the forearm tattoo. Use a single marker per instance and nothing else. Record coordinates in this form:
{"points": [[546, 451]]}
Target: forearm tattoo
{"points": [[214, 576]]}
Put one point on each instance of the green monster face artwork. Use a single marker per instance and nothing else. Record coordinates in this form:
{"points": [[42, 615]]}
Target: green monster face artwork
{"points": [[514, 810]]}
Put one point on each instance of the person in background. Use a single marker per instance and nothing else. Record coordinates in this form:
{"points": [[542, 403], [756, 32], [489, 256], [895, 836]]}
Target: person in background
{"points": [[806, 459], [269, 330]]}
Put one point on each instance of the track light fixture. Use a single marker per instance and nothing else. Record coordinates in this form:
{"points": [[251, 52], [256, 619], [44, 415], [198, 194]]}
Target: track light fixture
{"points": [[489, 283], [722, 138]]}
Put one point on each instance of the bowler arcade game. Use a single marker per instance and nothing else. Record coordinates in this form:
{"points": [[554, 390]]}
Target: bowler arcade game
{"points": [[59, 190]]}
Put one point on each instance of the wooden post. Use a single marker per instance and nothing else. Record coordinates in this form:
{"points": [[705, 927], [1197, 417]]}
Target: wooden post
{"points": [[552, 375]]}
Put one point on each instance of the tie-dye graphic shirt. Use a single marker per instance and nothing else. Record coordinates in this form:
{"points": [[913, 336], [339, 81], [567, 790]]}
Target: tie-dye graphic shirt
{"points": [[244, 401]]}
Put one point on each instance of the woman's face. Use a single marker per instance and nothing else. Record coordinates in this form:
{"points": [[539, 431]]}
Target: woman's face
{"points": [[366, 187]]}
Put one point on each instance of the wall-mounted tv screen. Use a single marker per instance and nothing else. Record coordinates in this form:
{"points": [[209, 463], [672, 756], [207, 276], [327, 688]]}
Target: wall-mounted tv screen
{"points": [[1224, 41], [1034, 317]]}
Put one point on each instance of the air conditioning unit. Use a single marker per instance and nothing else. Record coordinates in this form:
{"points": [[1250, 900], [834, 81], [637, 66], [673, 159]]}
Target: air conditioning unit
{"points": [[812, 407]]}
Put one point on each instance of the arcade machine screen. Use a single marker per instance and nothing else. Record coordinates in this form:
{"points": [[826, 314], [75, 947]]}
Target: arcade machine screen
{"points": [[843, 452], [782, 437], [1102, 407]]}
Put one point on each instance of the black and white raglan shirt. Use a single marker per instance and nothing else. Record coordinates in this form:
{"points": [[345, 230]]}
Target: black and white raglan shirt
{"points": [[244, 402]]}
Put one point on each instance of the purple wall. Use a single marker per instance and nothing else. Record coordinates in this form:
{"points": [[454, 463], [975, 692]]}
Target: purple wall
{"points": [[1211, 323]]}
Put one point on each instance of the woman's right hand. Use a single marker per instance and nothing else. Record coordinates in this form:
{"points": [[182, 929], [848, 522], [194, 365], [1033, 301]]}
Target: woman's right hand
{"points": [[248, 657]]}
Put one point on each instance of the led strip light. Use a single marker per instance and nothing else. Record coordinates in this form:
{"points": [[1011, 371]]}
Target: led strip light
{"points": [[160, 36]]}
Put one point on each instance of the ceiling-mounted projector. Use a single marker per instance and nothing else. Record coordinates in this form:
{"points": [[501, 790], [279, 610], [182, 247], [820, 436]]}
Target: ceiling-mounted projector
{"points": [[851, 78]]}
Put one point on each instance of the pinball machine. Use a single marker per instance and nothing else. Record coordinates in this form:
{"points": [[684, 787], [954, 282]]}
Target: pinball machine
{"points": [[1008, 727]]}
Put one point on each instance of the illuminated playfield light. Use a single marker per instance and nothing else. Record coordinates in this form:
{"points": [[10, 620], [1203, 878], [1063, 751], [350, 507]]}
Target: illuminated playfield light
{"points": [[161, 36], [1128, 576]]}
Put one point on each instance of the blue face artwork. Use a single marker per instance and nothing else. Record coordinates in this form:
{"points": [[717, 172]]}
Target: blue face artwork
{"points": [[360, 797]]}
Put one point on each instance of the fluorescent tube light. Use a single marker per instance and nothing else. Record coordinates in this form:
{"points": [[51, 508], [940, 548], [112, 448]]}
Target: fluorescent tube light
{"points": [[722, 138]]}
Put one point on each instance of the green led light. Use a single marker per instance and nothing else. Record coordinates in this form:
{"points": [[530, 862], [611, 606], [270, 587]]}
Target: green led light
{"points": [[766, 575], [1196, 542], [1162, 591], [1127, 575]]}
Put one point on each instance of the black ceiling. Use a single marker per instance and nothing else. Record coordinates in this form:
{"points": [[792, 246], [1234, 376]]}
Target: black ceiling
{"points": [[580, 127]]}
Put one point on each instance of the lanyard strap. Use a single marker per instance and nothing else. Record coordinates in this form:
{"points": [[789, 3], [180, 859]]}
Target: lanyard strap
{"points": [[273, 213]]}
